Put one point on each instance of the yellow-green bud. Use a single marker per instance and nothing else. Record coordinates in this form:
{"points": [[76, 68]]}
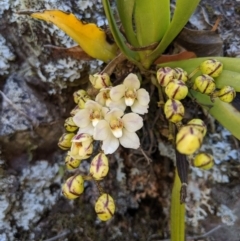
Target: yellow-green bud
{"points": [[105, 207], [71, 163], [70, 125], [181, 74], [203, 161], [205, 84], [82, 146], [100, 81], [65, 141], [188, 140], [176, 89], [165, 75], [73, 187], [211, 67], [99, 166], [174, 110], [80, 98], [199, 124], [227, 94]]}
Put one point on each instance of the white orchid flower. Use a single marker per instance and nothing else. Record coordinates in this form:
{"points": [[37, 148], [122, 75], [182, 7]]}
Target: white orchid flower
{"points": [[138, 99], [86, 119], [104, 99], [117, 128]]}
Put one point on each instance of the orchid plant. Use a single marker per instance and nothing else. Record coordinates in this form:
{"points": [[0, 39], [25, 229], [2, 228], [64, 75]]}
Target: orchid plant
{"points": [[147, 29]]}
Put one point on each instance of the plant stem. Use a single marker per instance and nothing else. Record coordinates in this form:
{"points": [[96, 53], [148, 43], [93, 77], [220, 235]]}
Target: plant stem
{"points": [[177, 212]]}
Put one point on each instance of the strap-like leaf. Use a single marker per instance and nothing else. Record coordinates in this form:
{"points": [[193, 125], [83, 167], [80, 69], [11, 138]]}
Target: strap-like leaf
{"points": [[118, 37], [91, 38], [182, 13], [152, 19], [125, 10]]}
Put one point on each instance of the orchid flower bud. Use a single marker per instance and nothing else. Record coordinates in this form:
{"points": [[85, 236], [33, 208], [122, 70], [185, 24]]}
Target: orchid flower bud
{"points": [[73, 187], [105, 207], [65, 141], [203, 161], [70, 125], [226, 94], [205, 84], [71, 163], [176, 89], [99, 166], [80, 98], [199, 124], [100, 81], [174, 110], [188, 140], [180, 74], [211, 67], [165, 75]]}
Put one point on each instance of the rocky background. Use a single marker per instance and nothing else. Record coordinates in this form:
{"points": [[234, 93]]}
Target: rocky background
{"points": [[36, 86]]}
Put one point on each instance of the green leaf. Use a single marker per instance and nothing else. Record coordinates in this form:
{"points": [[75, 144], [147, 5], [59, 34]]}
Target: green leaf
{"points": [[225, 113], [177, 212], [125, 10], [118, 37], [183, 11], [152, 18]]}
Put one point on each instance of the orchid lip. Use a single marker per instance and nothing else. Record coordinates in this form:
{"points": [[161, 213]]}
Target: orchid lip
{"points": [[117, 132]]}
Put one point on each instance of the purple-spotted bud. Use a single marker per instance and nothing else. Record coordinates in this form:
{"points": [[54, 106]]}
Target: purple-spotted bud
{"points": [[99, 166], [70, 125], [71, 163], [165, 75], [211, 67], [180, 74], [73, 187], [82, 146], [188, 140], [227, 94], [199, 124], [174, 110], [100, 81], [105, 207], [205, 84], [176, 89], [203, 161], [65, 141]]}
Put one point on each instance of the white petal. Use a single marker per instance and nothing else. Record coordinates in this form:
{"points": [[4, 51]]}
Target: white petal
{"points": [[82, 118], [118, 104], [117, 92], [110, 145], [114, 113], [132, 122], [88, 129], [129, 140], [139, 109], [102, 131], [132, 82], [92, 105], [143, 97], [105, 110], [100, 99]]}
